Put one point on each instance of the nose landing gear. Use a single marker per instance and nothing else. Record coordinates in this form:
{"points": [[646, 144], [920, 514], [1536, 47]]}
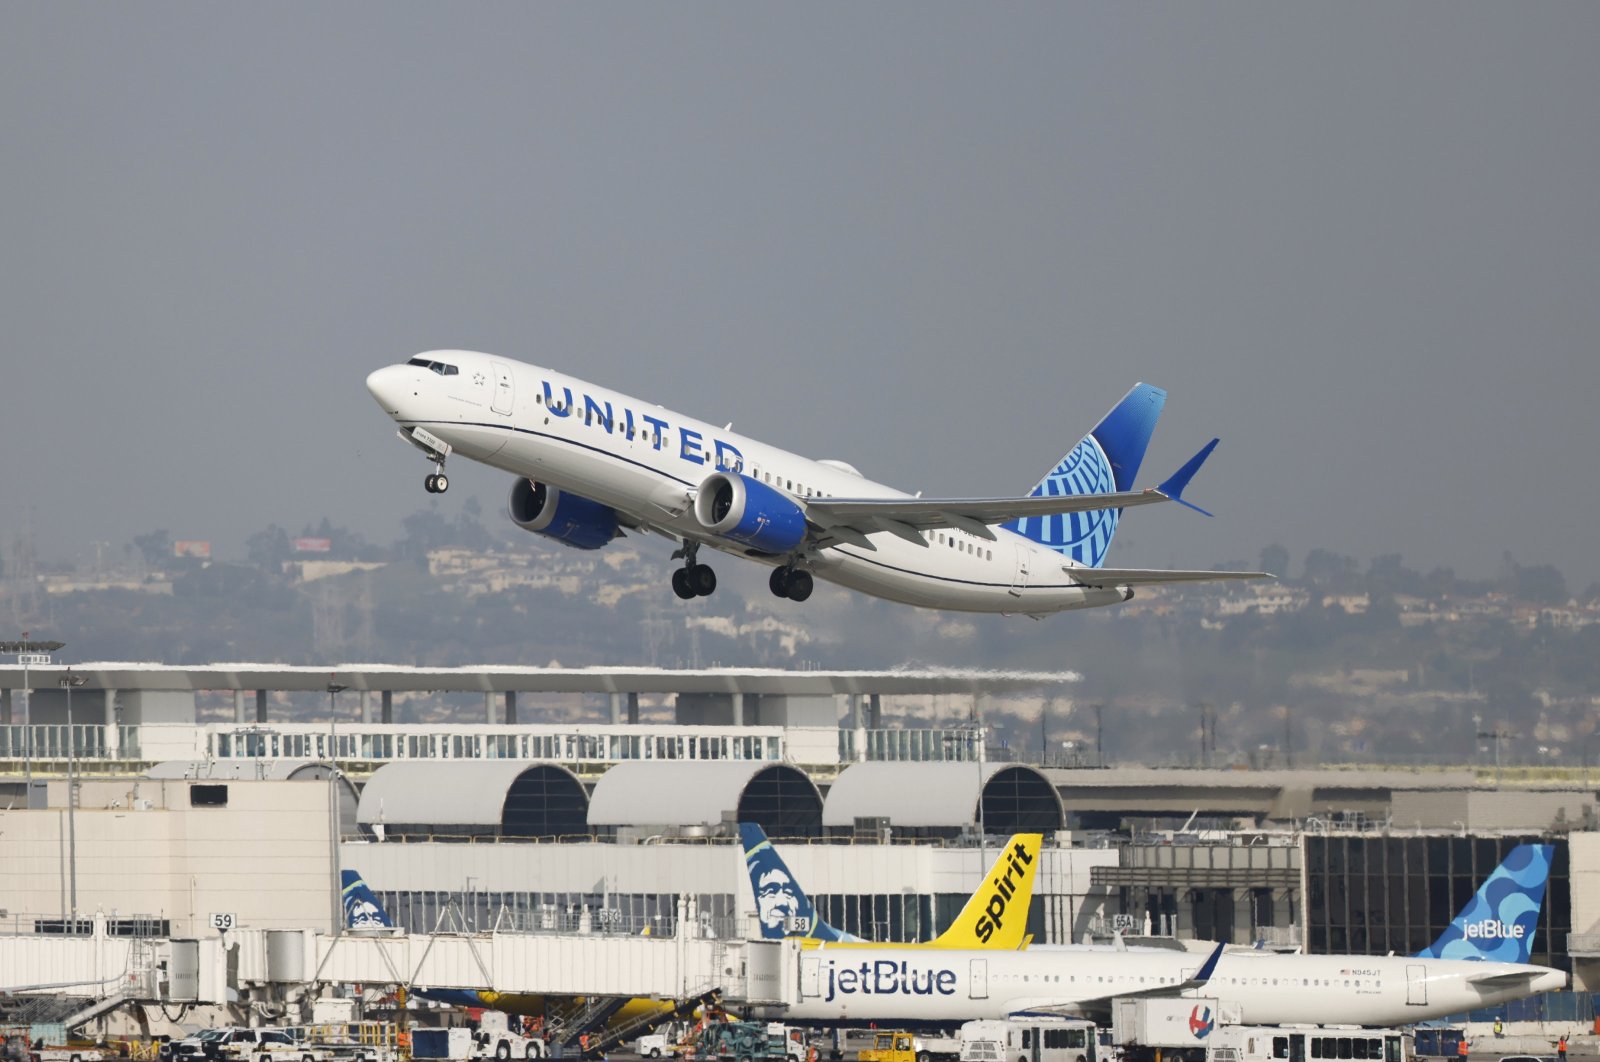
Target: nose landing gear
{"points": [[793, 583], [438, 482]]}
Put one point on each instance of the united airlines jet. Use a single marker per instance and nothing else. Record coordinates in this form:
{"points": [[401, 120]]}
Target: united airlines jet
{"points": [[591, 463]]}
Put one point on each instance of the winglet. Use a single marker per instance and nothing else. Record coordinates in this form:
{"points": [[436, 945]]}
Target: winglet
{"points": [[1203, 974], [1174, 485]]}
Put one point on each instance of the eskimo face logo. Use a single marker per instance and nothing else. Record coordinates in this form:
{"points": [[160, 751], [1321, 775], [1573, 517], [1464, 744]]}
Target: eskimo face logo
{"points": [[1085, 537], [362, 914], [1200, 1023], [776, 901]]}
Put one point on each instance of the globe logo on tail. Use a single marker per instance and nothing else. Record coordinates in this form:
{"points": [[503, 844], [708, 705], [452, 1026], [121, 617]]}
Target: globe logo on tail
{"points": [[1085, 537]]}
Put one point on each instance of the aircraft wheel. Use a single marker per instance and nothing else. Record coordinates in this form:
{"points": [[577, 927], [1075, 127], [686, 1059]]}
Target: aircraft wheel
{"points": [[800, 586], [703, 579], [681, 585], [441, 483], [779, 582], [429, 483]]}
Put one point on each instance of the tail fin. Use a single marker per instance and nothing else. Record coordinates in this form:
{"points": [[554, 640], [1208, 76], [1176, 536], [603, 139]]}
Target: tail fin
{"points": [[997, 914], [782, 906], [1106, 461], [361, 907], [1499, 922]]}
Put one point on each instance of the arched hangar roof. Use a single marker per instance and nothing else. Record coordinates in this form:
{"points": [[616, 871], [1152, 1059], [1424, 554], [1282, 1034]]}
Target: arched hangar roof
{"points": [[513, 797], [703, 792], [1016, 798]]}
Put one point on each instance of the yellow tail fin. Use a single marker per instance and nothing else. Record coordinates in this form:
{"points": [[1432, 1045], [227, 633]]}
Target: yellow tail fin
{"points": [[997, 914]]}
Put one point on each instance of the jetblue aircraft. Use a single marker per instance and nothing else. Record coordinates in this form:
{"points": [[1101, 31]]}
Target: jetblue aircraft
{"points": [[591, 463], [1481, 959]]}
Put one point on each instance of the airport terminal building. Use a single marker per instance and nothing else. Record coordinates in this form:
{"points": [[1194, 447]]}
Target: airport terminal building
{"points": [[609, 827]]}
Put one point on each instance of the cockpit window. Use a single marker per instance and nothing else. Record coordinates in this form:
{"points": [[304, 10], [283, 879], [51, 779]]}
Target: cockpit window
{"points": [[436, 366]]}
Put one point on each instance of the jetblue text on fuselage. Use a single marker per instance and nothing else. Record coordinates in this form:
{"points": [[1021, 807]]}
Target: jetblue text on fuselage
{"points": [[691, 444], [886, 977]]}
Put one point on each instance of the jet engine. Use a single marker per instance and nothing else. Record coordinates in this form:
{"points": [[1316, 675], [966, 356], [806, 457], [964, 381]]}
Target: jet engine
{"points": [[567, 518], [750, 512]]}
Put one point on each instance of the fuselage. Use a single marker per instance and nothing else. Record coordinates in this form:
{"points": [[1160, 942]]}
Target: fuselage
{"points": [[890, 984], [648, 463], [940, 986], [1274, 989]]}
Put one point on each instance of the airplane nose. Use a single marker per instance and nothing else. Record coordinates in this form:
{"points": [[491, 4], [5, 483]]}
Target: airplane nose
{"points": [[389, 385]]}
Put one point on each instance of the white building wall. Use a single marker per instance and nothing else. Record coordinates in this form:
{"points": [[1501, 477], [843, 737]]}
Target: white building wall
{"points": [[142, 849]]}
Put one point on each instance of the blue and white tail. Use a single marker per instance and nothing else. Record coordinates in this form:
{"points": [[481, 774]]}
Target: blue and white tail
{"points": [[361, 908], [1499, 922], [782, 906], [1106, 461]]}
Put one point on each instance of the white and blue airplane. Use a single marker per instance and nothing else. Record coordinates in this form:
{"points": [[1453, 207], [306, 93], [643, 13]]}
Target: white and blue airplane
{"points": [[591, 462]]}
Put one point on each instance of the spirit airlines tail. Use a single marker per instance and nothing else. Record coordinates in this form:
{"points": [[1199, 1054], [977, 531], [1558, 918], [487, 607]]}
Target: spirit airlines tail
{"points": [[995, 916], [590, 462]]}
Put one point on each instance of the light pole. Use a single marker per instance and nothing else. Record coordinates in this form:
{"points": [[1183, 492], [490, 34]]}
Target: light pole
{"points": [[70, 682], [333, 809], [974, 733]]}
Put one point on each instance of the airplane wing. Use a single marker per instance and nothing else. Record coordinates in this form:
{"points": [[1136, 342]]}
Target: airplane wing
{"points": [[851, 520], [1102, 1004], [1149, 576]]}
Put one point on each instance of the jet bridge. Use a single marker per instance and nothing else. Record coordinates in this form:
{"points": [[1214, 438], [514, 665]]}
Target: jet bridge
{"points": [[284, 963]]}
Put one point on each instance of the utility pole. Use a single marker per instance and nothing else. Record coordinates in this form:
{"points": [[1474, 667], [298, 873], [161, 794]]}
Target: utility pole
{"points": [[70, 682]]}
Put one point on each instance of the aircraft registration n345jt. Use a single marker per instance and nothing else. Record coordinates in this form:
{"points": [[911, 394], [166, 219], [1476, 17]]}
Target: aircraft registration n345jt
{"points": [[591, 463]]}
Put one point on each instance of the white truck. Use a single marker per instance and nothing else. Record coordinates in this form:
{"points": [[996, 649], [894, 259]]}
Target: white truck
{"points": [[1041, 1039], [1199, 1030], [500, 1036]]}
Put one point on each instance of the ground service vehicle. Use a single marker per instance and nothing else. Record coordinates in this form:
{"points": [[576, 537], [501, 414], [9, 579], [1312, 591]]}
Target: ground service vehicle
{"points": [[902, 1046], [1042, 1039], [748, 1041], [669, 1039]]}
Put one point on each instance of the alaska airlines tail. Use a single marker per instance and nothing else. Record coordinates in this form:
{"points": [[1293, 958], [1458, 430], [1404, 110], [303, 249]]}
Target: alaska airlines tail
{"points": [[361, 908], [1500, 921], [782, 906], [1106, 461], [996, 916]]}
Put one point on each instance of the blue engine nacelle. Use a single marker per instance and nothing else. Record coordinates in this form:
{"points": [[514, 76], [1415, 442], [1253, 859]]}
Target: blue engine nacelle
{"points": [[567, 518], [748, 511]]}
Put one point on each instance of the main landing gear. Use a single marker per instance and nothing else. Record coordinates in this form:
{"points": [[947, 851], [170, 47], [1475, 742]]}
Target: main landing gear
{"points": [[793, 583], [693, 579]]}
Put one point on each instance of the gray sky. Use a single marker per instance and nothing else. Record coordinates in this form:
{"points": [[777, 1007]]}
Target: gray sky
{"points": [[1358, 241]]}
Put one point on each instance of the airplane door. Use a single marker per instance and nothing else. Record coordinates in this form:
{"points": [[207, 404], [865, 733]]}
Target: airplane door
{"points": [[1019, 578], [810, 977], [978, 979], [1416, 986], [505, 392]]}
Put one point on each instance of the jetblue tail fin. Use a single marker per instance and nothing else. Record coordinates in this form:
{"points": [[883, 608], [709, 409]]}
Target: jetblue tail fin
{"points": [[1105, 462], [782, 907], [361, 908], [1499, 922]]}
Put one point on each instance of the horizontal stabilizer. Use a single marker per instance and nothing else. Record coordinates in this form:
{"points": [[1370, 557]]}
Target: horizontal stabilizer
{"points": [[1153, 576], [1506, 980]]}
